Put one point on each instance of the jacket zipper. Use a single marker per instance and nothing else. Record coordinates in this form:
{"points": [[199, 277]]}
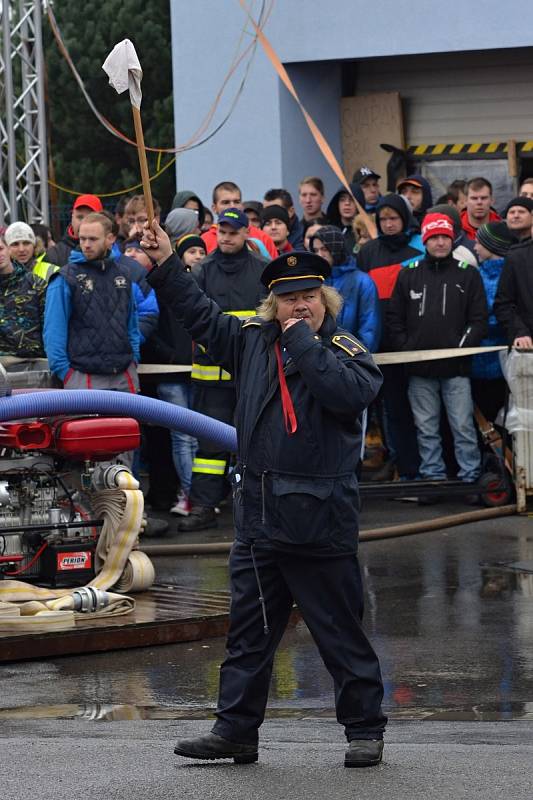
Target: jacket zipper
{"points": [[422, 309], [444, 299], [263, 507]]}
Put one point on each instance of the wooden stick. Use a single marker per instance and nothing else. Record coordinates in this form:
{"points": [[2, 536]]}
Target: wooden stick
{"points": [[511, 158], [145, 176]]}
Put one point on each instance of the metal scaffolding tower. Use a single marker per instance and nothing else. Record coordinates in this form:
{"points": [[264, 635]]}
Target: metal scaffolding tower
{"points": [[23, 157]]}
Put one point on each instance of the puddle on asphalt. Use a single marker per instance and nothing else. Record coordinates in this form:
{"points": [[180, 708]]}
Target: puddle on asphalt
{"points": [[504, 577], [99, 712]]}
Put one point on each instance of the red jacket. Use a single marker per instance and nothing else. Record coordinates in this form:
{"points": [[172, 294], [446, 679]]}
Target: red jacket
{"points": [[210, 239], [469, 229]]}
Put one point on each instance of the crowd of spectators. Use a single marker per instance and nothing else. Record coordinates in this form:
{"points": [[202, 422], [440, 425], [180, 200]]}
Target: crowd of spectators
{"points": [[413, 274]]}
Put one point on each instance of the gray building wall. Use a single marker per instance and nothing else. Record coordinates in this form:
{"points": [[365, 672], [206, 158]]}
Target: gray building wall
{"points": [[265, 142]]}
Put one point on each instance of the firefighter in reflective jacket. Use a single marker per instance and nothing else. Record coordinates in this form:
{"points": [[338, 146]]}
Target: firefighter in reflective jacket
{"points": [[301, 386], [230, 276]]}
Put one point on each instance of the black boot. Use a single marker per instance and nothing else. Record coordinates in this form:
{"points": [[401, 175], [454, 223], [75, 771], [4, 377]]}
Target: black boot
{"points": [[363, 753], [213, 746], [155, 527], [200, 518]]}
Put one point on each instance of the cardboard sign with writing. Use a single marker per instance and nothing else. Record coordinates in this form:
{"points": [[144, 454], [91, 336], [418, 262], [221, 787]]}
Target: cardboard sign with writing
{"points": [[366, 122]]}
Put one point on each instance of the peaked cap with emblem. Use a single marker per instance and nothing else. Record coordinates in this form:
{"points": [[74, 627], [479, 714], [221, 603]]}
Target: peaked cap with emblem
{"points": [[295, 271]]}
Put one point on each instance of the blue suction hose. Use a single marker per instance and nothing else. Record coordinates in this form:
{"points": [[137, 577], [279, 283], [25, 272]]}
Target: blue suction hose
{"points": [[118, 404]]}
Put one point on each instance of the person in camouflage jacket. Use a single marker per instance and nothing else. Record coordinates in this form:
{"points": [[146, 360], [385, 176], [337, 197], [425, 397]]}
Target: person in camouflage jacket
{"points": [[22, 296]]}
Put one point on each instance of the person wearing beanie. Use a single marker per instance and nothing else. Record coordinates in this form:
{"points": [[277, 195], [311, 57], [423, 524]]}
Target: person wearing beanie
{"points": [[360, 309], [84, 205], [493, 242], [191, 249], [342, 211], [397, 244], [418, 192], [463, 247], [181, 221], [281, 197], [21, 241], [275, 221], [518, 216], [439, 303], [22, 296]]}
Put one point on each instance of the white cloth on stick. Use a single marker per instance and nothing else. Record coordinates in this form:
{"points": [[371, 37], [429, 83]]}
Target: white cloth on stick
{"points": [[124, 70]]}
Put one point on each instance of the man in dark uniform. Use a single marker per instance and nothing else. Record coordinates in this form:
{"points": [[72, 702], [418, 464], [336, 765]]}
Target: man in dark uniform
{"points": [[302, 385]]}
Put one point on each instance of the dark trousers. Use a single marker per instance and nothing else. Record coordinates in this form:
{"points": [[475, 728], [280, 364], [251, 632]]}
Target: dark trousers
{"points": [[163, 480], [400, 428], [489, 396], [329, 595], [210, 484]]}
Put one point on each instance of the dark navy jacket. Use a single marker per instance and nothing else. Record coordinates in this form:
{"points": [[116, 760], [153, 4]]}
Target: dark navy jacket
{"points": [[91, 322], [289, 491]]}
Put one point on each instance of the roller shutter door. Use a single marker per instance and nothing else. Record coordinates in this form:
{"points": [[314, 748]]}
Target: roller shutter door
{"points": [[483, 96]]}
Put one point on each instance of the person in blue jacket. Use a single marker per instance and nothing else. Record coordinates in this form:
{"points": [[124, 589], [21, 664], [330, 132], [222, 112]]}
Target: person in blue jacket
{"points": [[360, 310], [91, 329], [493, 242]]}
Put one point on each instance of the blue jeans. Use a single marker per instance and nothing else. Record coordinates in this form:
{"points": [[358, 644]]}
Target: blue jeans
{"points": [[425, 398], [183, 446]]}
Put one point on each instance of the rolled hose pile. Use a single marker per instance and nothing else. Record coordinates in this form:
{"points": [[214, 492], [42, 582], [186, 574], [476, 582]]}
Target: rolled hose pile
{"points": [[57, 402]]}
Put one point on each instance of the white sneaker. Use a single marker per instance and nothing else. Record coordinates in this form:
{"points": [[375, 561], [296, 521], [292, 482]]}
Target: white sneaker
{"points": [[182, 506]]}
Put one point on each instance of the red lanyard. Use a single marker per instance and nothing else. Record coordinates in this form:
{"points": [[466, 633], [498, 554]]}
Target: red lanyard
{"points": [[289, 417]]}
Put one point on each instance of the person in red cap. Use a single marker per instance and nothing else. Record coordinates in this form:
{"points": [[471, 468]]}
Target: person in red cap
{"points": [[439, 303], [84, 205]]}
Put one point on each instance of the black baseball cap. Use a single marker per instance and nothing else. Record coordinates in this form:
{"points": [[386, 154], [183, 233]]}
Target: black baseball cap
{"points": [[364, 174]]}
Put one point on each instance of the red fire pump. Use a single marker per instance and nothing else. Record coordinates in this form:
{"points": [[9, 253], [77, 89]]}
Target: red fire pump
{"points": [[47, 531]]}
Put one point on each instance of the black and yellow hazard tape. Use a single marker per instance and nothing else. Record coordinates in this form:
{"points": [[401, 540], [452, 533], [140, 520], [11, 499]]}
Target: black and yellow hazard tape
{"points": [[494, 149]]}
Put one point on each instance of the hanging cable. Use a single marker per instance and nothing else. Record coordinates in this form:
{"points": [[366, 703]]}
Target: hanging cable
{"points": [[192, 142], [118, 191]]}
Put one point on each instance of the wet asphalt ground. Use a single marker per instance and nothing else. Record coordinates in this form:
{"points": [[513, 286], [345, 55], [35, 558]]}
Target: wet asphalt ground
{"points": [[450, 614]]}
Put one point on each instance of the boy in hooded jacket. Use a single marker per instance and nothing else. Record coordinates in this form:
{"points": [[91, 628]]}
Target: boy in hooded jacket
{"points": [[360, 311], [398, 243]]}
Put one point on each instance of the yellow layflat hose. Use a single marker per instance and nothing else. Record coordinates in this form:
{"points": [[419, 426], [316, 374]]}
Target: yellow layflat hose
{"points": [[26, 607]]}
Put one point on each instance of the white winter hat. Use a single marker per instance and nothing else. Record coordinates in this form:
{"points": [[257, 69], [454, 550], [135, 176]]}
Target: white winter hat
{"points": [[19, 232]]}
